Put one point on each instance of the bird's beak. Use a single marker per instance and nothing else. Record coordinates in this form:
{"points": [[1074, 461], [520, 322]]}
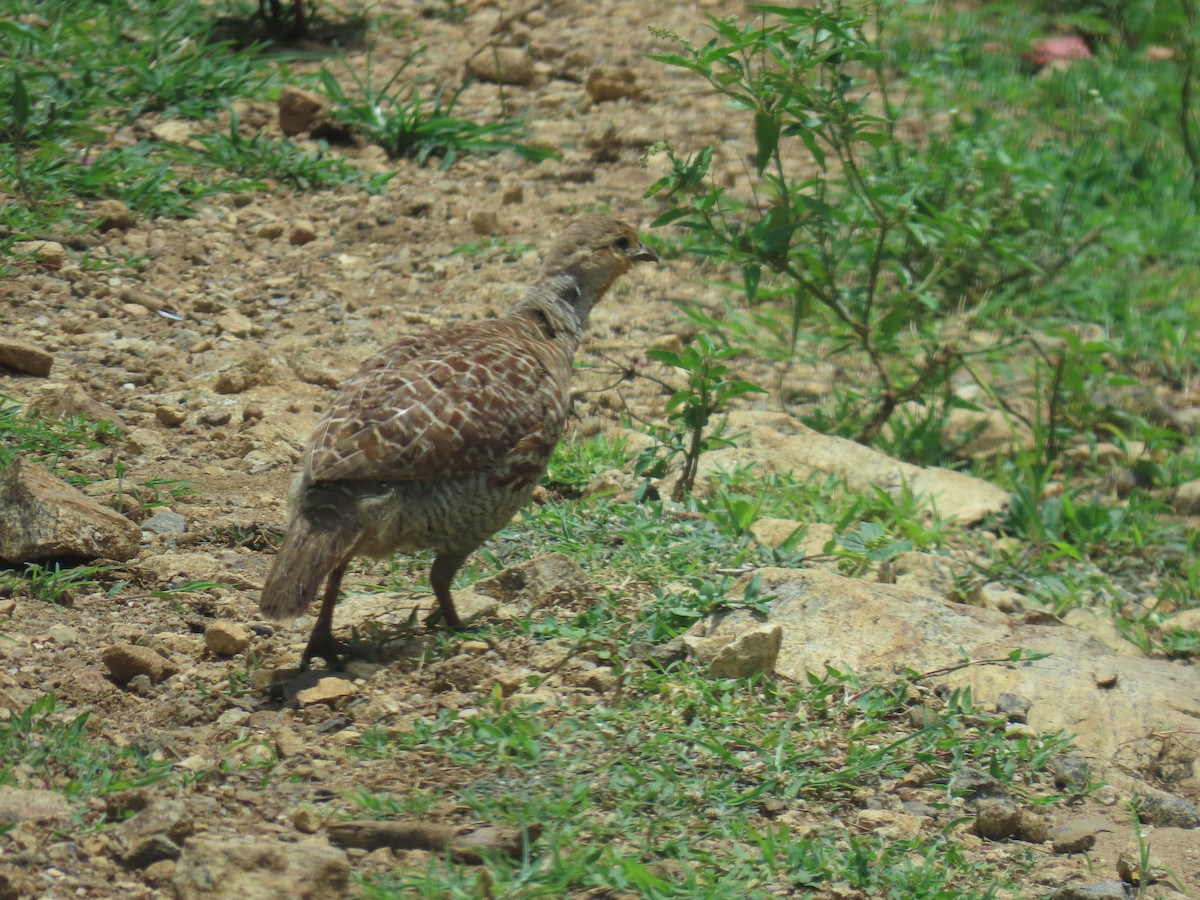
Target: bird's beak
{"points": [[644, 254]]}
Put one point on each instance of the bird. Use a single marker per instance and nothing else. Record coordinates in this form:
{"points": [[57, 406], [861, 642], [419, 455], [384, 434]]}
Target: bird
{"points": [[441, 436]]}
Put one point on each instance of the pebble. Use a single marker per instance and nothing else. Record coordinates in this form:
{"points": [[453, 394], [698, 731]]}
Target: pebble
{"points": [[165, 521], [327, 691], [997, 818], [63, 634], [503, 65], [113, 214], [170, 416], [607, 83], [48, 253], [227, 638], [127, 661], [303, 232], [299, 110]]}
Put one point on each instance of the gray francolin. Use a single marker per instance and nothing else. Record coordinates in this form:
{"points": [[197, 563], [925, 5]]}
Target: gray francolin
{"points": [[441, 437]]}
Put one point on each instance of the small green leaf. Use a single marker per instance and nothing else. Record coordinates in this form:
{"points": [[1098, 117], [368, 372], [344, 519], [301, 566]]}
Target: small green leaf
{"points": [[766, 139]]}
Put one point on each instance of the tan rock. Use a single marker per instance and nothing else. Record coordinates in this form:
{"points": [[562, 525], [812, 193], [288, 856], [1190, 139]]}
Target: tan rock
{"points": [[127, 661], [48, 253], [329, 691], [740, 655], [42, 517], [302, 232], [299, 110], [503, 65], [113, 214], [776, 442], [607, 83], [227, 638], [233, 322], [23, 357], [33, 805], [259, 867], [1187, 498]]}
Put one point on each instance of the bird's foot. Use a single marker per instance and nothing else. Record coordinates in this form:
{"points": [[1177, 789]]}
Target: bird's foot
{"points": [[324, 645]]}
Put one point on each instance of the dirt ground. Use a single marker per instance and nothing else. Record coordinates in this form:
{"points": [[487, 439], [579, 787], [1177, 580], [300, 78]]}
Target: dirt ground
{"points": [[225, 398]]}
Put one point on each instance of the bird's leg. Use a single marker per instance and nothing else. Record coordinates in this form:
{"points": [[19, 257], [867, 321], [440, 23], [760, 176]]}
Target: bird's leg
{"points": [[321, 642], [441, 576], [300, 20]]}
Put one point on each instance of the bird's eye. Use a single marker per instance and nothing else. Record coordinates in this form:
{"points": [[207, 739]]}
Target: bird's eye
{"points": [[622, 243]]}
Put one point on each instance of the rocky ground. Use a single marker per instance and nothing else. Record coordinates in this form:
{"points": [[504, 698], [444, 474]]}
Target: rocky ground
{"points": [[279, 295]]}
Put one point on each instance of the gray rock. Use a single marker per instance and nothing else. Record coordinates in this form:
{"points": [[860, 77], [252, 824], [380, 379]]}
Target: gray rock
{"points": [[1166, 810], [1013, 707], [258, 868], [165, 522], [1100, 890], [970, 783]]}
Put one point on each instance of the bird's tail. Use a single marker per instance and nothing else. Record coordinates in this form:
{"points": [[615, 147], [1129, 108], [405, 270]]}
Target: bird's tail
{"points": [[309, 553]]}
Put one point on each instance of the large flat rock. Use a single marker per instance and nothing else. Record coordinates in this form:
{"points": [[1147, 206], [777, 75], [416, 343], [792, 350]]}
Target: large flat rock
{"points": [[1119, 706], [43, 517]]}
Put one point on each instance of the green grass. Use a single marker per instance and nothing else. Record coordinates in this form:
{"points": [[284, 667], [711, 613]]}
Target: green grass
{"points": [[685, 787], [48, 746]]}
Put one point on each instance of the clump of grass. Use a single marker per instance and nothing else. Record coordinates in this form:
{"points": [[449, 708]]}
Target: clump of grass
{"points": [[408, 122]]}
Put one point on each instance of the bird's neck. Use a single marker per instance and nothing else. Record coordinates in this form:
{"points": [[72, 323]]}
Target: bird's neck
{"points": [[559, 305]]}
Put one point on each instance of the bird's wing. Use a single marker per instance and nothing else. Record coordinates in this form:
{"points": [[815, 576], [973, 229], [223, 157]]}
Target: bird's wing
{"points": [[434, 406]]}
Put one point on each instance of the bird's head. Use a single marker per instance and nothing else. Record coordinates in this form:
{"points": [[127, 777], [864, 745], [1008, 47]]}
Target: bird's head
{"points": [[594, 252]]}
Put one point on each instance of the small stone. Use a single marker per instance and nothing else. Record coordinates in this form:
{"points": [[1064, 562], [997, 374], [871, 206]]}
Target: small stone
{"points": [[328, 691], [127, 661], [48, 253], [606, 83], [738, 656], [1032, 828], [1187, 498], [64, 634], [475, 647], [288, 744], [1013, 707], [299, 110], [165, 521], [303, 232], [252, 412], [996, 818], [1078, 836], [970, 783], [233, 322], [113, 214], [502, 65], [514, 193], [271, 231], [226, 638], [170, 416], [22, 357], [215, 417], [306, 821], [484, 222], [155, 833]]}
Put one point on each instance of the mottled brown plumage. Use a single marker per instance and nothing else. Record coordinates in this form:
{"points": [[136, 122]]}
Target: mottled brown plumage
{"points": [[441, 437]]}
